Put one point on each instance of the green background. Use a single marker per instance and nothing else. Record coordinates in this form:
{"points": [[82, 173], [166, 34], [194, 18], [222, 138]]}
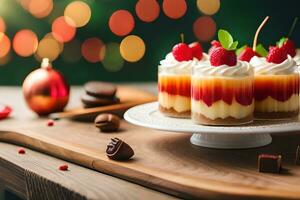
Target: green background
{"points": [[239, 17]]}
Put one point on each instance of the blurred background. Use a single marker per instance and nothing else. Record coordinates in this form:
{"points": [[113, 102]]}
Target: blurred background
{"points": [[124, 40]]}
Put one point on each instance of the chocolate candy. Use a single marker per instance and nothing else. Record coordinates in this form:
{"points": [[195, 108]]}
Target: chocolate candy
{"points": [[269, 163], [107, 122], [297, 160], [100, 89], [119, 150]]}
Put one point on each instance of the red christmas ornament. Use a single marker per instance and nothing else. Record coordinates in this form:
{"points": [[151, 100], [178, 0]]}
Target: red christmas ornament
{"points": [[45, 90]]}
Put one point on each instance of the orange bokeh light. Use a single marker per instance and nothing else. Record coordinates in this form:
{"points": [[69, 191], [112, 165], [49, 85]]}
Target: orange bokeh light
{"points": [[174, 9], [2, 25], [79, 12], [39, 8], [60, 44], [4, 45], [25, 43], [93, 50], [63, 29], [147, 10], [204, 28], [121, 22], [4, 60]]}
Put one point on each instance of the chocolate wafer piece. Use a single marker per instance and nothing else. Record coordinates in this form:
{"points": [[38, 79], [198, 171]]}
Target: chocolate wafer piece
{"points": [[90, 101], [269, 163], [100, 89]]}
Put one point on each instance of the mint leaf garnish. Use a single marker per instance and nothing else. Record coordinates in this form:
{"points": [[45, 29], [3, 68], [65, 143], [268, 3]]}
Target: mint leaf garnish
{"points": [[240, 50], [234, 45], [226, 40], [260, 49], [281, 41]]}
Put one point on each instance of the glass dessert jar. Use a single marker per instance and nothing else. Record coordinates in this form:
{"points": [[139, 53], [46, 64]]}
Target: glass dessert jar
{"points": [[174, 86], [276, 88], [222, 95]]}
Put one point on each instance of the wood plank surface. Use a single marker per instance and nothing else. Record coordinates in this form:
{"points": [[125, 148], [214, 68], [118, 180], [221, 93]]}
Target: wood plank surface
{"points": [[165, 161], [30, 176]]}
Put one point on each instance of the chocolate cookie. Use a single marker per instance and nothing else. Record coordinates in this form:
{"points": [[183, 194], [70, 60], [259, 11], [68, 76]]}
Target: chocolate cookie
{"points": [[91, 101], [100, 89]]}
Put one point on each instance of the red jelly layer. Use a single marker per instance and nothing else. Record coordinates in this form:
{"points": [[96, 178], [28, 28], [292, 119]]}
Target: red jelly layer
{"points": [[279, 87], [175, 85], [215, 89]]}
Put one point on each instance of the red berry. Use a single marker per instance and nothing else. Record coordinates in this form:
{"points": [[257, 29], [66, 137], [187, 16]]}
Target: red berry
{"points": [[21, 151], [197, 50], [50, 122], [4, 111], [220, 56], [214, 44], [289, 47], [63, 167], [276, 55], [247, 54], [182, 52]]}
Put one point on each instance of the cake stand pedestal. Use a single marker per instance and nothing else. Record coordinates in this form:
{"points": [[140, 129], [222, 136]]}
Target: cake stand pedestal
{"points": [[256, 134]]}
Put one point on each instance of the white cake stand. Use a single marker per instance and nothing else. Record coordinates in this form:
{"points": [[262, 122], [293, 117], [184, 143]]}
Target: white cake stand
{"points": [[251, 135]]}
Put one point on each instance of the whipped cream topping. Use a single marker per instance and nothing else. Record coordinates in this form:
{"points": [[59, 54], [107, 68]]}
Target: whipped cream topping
{"points": [[261, 66], [173, 66], [239, 70], [297, 57]]}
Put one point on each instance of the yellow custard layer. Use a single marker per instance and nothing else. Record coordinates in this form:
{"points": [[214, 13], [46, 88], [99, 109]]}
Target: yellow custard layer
{"points": [[221, 109], [177, 102], [271, 105]]}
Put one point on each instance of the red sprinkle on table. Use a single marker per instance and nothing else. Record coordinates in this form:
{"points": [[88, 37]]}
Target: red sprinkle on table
{"points": [[50, 122], [21, 151], [63, 167]]}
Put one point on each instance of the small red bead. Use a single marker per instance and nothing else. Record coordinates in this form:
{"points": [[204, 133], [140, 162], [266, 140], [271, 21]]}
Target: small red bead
{"points": [[21, 151], [50, 122], [63, 167]]}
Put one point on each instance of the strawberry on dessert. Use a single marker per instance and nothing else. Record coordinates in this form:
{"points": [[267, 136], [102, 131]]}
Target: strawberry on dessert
{"points": [[174, 79], [214, 44], [222, 87], [276, 85], [245, 53]]}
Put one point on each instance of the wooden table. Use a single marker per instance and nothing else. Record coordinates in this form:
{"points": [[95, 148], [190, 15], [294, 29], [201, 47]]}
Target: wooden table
{"points": [[20, 174]]}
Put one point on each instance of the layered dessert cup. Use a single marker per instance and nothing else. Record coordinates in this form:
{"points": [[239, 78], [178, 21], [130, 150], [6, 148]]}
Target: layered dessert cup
{"points": [[276, 88], [222, 88], [222, 95], [174, 85]]}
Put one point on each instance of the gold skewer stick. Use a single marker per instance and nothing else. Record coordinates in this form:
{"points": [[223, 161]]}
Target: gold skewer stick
{"points": [[258, 31]]}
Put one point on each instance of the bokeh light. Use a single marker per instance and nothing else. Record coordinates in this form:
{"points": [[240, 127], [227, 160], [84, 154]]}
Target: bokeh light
{"points": [[39, 8], [113, 60], [48, 48], [25, 43], [208, 7], [4, 60], [174, 9], [60, 44], [147, 10], [5, 45], [93, 50], [132, 48], [2, 25], [204, 28], [121, 22], [79, 12], [63, 29], [72, 51]]}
